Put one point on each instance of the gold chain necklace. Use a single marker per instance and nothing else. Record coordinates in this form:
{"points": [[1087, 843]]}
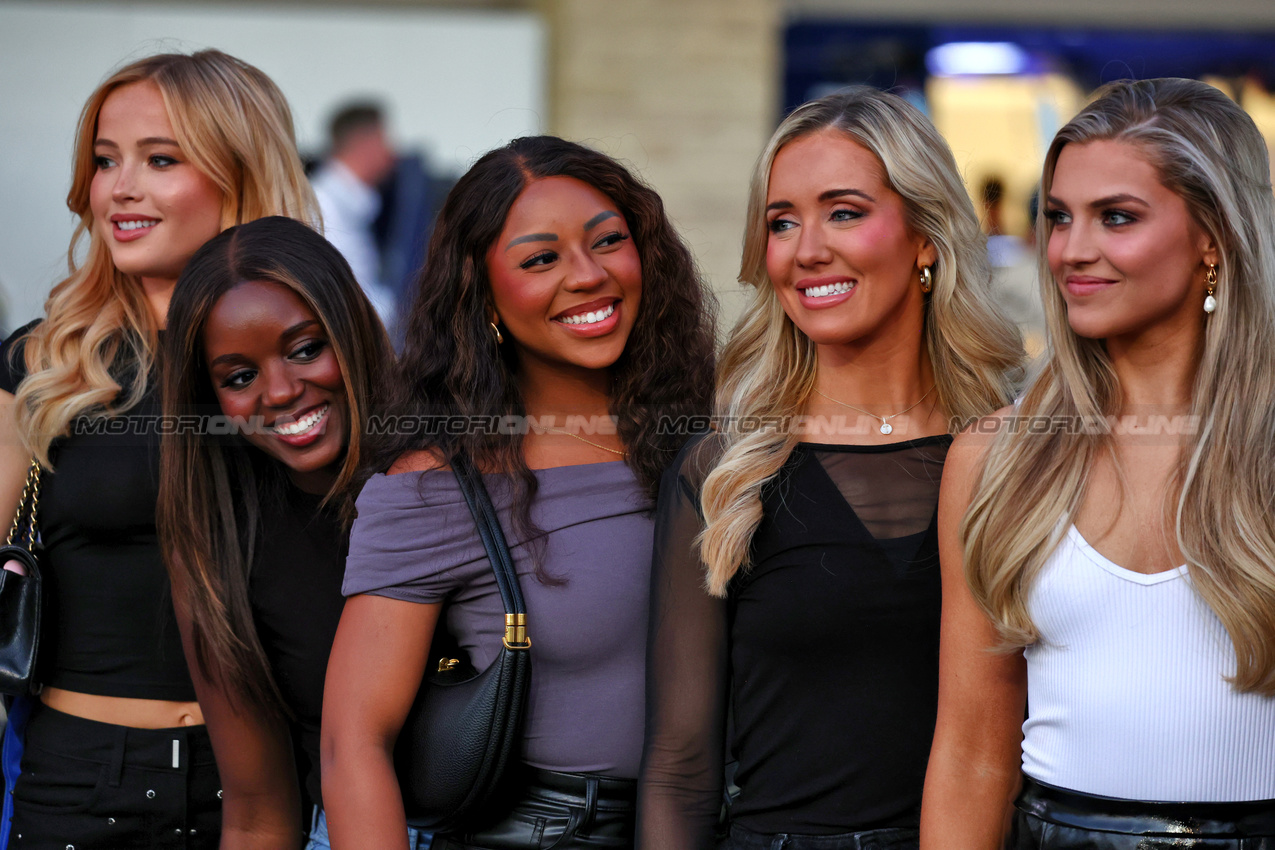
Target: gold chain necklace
{"points": [[886, 427], [583, 440]]}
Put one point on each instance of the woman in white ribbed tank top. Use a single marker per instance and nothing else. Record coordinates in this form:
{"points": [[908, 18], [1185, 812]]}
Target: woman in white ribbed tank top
{"points": [[1108, 543]]}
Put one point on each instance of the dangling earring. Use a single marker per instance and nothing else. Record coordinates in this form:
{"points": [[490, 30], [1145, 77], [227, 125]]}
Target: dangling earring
{"points": [[1210, 303], [495, 330], [927, 279]]}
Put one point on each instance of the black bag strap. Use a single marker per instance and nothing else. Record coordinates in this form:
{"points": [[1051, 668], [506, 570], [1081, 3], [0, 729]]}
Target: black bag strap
{"points": [[493, 539]]}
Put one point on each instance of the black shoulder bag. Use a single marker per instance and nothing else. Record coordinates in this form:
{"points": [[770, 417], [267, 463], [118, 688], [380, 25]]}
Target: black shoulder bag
{"points": [[21, 596], [465, 727]]}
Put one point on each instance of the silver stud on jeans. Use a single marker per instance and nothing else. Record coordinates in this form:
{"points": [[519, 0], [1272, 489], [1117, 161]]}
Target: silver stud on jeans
{"points": [[150, 795], [111, 821]]}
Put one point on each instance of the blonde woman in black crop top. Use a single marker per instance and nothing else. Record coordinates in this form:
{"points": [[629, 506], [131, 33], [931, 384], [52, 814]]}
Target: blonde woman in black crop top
{"points": [[113, 752]]}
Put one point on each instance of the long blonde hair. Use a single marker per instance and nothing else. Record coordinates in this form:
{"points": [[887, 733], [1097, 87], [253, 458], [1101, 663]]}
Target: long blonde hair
{"points": [[234, 124], [768, 366], [1209, 152]]}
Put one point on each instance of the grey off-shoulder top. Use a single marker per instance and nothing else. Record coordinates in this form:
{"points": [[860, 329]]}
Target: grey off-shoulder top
{"points": [[415, 540]]}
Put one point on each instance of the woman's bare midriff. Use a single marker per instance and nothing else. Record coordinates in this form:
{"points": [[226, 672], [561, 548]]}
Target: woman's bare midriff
{"points": [[124, 711]]}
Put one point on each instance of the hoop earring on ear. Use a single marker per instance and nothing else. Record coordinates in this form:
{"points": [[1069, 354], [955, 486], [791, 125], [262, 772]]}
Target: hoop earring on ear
{"points": [[495, 330], [927, 279], [1210, 303]]}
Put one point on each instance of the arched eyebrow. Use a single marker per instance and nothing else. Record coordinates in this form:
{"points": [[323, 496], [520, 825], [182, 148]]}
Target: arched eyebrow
{"points": [[141, 143], [532, 237], [553, 237], [1108, 201], [304, 324], [824, 197], [599, 218]]}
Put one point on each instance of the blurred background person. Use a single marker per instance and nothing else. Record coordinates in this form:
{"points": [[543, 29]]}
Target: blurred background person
{"points": [[1013, 261], [347, 185]]}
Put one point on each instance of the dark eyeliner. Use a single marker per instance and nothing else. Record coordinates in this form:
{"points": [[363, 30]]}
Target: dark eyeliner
{"points": [[535, 259]]}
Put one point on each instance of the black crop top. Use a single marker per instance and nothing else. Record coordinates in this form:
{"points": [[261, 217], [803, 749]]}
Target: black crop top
{"points": [[110, 625], [295, 592], [825, 651]]}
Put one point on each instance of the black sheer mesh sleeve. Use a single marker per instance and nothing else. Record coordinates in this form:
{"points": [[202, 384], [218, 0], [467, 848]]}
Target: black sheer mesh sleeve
{"points": [[680, 786], [13, 366]]}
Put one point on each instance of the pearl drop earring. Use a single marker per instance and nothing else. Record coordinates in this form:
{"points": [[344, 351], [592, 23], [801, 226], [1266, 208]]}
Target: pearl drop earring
{"points": [[1210, 303]]}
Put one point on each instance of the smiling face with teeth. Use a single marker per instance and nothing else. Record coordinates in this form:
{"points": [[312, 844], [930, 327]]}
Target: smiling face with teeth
{"points": [[841, 256], [151, 207], [566, 280], [268, 356]]}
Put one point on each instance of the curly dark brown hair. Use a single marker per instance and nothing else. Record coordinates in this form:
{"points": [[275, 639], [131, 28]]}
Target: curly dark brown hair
{"points": [[450, 366]]}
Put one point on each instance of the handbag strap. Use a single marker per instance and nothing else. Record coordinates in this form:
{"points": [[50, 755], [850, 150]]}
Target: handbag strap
{"points": [[493, 538], [24, 520]]}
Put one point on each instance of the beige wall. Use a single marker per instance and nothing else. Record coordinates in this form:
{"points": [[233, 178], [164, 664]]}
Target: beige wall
{"points": [[686, 91]]}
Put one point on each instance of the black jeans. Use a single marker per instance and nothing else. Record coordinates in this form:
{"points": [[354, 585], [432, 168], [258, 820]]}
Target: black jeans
{"points": [[1049, 818], [894, 838], [92, 785], [562, 811]]}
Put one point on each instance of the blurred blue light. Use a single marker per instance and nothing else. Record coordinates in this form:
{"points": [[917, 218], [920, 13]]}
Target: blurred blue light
{"points": [[959, 58]]}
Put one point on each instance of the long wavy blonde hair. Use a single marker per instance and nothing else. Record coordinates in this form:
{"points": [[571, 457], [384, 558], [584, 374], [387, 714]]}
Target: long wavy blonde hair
{"points": [[1222, 507], [768, 366], [234, 124]]}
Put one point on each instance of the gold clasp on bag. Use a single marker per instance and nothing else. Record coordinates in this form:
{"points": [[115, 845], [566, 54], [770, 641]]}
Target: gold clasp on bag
{"points": [[516, 632], [445, 664]]}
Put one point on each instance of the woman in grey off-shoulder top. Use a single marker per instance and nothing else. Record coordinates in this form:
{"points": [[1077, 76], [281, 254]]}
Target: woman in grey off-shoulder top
{"points": [[560, 338]]}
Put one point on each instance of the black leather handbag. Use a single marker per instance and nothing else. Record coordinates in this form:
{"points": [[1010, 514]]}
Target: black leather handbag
{"points": [[464, 727], [21, 596]]}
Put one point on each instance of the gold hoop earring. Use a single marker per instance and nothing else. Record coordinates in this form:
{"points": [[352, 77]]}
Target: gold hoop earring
{"points": [[927, 279], [1210, 303], [495, 330]]}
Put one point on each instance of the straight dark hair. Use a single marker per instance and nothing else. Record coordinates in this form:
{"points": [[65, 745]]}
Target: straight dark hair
{"points": [[212, 487], [452, 366]]}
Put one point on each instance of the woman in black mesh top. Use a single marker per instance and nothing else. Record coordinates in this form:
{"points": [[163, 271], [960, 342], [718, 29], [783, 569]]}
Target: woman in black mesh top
{"points": [[796, 582]]}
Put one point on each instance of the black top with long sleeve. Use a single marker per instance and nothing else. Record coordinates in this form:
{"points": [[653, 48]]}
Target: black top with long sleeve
{"points": [[825, 651], [109, 623], [295, 591]]}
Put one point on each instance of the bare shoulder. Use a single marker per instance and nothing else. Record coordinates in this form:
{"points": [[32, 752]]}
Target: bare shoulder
{"points": [[968, 454], [972, 442], [419, 460]]}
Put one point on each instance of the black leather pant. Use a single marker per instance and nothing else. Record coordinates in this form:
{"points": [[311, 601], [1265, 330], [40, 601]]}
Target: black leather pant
{"points": [[896, 838], [557, 811], [1049, 818]]}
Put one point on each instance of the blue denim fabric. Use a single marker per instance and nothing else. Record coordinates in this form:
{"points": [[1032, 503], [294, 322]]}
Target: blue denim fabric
{"points": [[416, 840], [19, 709]]}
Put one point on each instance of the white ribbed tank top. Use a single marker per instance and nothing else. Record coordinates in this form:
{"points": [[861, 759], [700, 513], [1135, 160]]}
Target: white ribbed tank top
{"points": [[1125, 691]]}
